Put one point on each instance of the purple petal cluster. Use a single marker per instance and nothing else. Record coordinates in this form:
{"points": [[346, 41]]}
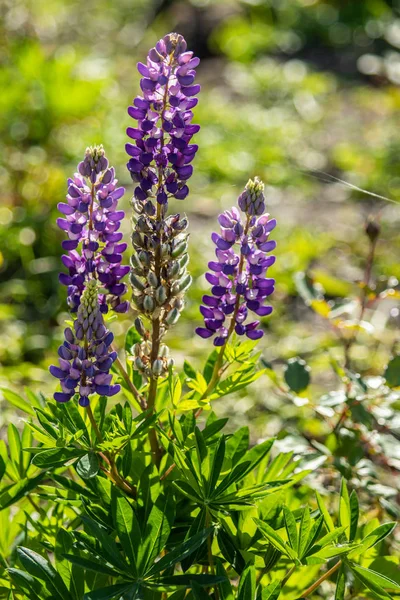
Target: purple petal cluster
{"points": [[86, 356], [161, 152], [92, 220], [238, 276]]}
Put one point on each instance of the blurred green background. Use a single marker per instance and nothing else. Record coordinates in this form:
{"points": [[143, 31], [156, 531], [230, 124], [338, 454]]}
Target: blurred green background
{"points": [[289, 87]]}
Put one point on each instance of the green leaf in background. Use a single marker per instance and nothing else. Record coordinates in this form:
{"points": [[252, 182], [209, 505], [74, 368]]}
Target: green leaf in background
{"points": [[392, 372], [17, 401], [88, 466], [297, 375]]}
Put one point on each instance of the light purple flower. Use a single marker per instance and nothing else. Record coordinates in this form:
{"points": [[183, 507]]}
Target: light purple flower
{"points": [[238, 277], [91, 220], [86, 355], [160, 149]]}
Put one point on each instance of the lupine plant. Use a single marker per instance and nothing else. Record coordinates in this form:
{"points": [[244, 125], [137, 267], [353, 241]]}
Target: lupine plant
{"points": [[150, 495]]}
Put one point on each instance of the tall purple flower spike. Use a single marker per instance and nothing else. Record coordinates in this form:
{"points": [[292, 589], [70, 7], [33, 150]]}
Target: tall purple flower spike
{"points": [[238, 276], [91, 221], [161, 151], [85, 356]]}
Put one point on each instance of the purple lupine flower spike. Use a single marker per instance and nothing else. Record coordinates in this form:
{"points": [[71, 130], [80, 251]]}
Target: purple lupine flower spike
{"points": [[92, 221], [161, 152], [238, 276], [86, 356]]}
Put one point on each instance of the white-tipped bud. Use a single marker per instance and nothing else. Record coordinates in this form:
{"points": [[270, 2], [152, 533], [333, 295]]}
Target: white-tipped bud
{"points": [[140, 328], [138, 363], [152, 279], [161, 294], [157, 367], [148, 304], [136, 282], [164, 351], [172, 317], [185, 283]]}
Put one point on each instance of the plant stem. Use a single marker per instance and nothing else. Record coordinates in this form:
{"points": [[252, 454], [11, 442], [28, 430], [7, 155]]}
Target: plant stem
{"points": [[314, 586], [135, 392], [348, 344], [94, 424], [112, 472], [209, 553]]}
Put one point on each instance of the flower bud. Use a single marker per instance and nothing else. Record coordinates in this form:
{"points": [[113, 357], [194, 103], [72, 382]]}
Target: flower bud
{"points": [[157, 367], [172, 317]]}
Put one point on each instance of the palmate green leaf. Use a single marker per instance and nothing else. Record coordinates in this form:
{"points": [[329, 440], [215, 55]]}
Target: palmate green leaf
{"points": [[88, 465], [108, 546], [156, 532], [40, 568], [344, 508], [375, 582], [241, 378], [276, 541], [216, 465], [291, 528], [17, 401], [71, 574], [236, 475], [127, 526], [247, 584], [56, 457], [304, 532], [174, 581], [256, 454], [230, 551], [272, 591], [32, 588], [15, 492], [180, 553], [324, 511], [112, 591], [224, 588], [198, 592], [354, 515], [92, 564], [324, 541], [330, 552], [340, 584], [376, 536], [15, 448]]}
